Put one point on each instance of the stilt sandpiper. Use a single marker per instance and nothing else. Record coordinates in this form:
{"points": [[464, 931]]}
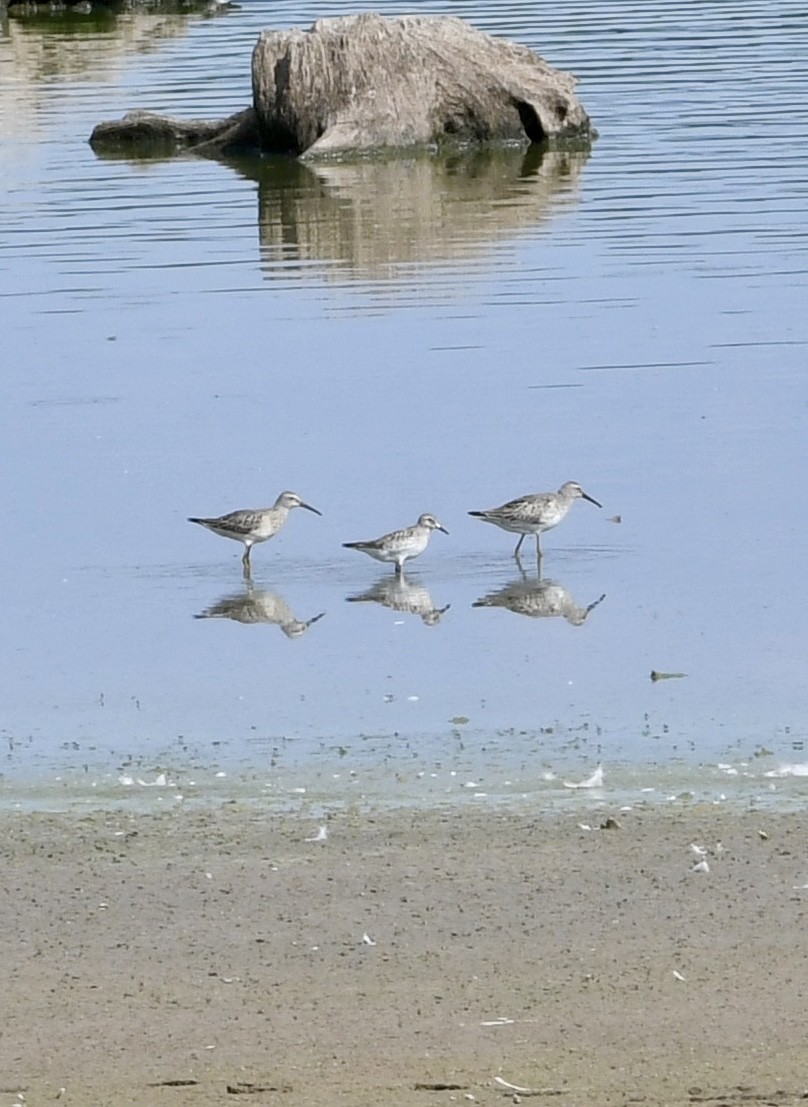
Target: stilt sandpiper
{"points": [[534, 514], [256, 525], [400, 545]]}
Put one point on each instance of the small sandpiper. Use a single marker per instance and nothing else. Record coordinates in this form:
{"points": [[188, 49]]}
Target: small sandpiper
{"points": [[534, 514], [400, 545], [255, 525]]}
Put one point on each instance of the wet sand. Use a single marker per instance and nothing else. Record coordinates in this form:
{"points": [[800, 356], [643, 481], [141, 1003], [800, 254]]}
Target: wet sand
{"points": [[197, 957]]}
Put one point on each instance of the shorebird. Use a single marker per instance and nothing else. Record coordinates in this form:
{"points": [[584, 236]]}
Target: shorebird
{"points": [[255, 525], [400, 545], [534, 514]]}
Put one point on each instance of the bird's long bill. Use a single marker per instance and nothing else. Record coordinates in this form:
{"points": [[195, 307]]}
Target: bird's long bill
{"points": [[445, 531], [591, 500], [308, 507]]}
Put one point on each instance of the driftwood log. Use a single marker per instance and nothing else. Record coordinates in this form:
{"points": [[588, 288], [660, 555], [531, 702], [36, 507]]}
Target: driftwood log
{"points": [[363, 83]]}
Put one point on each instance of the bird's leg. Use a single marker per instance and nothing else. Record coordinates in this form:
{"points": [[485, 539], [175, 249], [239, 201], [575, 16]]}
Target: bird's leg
{"points": [[399, 568], [245, 561], [518, 546]]}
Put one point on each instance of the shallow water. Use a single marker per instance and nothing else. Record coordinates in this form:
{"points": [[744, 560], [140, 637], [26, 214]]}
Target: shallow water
{"points": [[184, 338]]}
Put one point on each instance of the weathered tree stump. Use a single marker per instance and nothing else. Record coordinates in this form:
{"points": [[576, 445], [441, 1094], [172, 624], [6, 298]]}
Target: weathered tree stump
{"points": [[364, 82]]}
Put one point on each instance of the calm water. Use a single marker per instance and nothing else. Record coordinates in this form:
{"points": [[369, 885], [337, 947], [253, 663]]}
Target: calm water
{"points": [[184, 338]]}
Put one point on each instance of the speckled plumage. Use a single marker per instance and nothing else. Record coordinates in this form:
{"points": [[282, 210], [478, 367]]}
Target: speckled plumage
{"points": [[254, 525], [535, 513], [400, 545]]}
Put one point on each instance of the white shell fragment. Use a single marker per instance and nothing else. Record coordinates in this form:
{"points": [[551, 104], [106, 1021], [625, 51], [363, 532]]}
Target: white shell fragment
{"points": [[513, 1087], [159, 782], [700, 867], [798, 769], [593, 781]]}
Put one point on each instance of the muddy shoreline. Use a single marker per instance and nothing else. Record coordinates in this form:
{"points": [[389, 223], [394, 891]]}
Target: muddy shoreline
{"points": [[409, 957]]}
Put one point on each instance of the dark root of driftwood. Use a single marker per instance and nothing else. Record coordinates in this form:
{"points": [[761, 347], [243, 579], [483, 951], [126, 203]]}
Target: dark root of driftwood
{"points": [[143, 132]]}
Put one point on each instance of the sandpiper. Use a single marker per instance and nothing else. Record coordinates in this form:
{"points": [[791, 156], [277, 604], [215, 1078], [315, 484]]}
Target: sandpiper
{"points": [[400, 545], [534, 514], [255, 525]]}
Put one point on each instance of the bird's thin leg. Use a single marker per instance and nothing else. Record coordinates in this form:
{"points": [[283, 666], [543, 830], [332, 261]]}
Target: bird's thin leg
{"points": [[518, 545], [399, 568], [245, 561]]}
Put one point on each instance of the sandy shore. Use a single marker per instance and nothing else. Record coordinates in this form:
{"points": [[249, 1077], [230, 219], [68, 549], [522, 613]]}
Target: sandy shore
{"points": [[411, 958]]}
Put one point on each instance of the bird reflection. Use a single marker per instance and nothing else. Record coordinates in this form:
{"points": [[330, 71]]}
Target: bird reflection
{"points": [[259, 605], [401, 594], [538, 598]]}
